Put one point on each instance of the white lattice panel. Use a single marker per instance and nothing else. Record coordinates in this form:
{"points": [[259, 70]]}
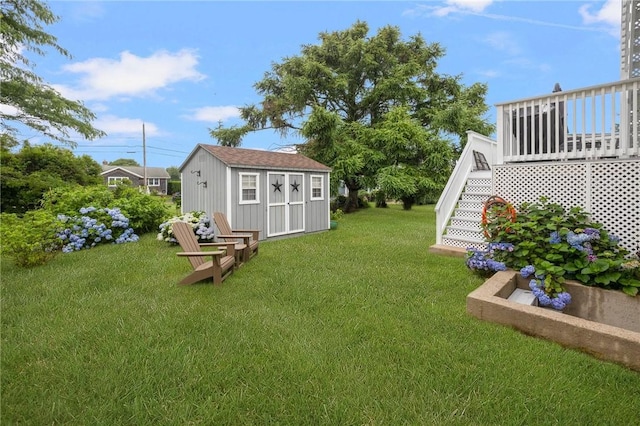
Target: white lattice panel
{"points": [[609, 190], [463, 244], [616, 205]]}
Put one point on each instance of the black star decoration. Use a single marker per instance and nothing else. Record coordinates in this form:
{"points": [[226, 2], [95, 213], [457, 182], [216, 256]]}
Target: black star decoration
{"points": [[295, 186], [276, 186]]}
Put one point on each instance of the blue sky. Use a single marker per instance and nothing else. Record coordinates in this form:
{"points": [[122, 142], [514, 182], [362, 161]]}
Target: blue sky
{"points": [[180, 67]]}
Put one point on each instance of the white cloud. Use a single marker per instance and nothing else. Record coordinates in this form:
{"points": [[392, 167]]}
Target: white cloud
{"points": [[213, 114], [455, 6], [113, 125], [130, 75], [504, 42], [86, 10], [528, 64], [488, 73], [609, 15]]}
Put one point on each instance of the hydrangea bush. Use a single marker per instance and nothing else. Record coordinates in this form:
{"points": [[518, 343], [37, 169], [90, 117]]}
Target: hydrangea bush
{"points": [[482, 261], [198, 220], [95, 226], [553, 245]]}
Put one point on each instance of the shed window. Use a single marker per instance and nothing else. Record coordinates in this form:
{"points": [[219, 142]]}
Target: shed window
{"points": [[115, 180], [317, 187], [249, 188]]}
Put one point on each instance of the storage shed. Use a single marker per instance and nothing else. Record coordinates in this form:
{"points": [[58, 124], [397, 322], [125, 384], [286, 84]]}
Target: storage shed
{"points": [[276, 192]]}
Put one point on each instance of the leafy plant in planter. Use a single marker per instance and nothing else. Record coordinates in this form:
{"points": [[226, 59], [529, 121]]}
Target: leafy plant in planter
{"points": [[552, 244], [335, 216]]}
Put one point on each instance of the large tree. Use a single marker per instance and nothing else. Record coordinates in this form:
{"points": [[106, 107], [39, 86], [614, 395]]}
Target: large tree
{"points": [[336, 92], [33, 102], [26, 175], [125, 162]]}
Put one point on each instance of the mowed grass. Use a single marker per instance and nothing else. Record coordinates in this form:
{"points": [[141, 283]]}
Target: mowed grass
{"points": [[361, 325]]}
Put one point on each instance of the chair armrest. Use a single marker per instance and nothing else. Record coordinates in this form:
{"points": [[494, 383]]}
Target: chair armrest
{"points": [[255, 233], [201, 253], [244, 237], [227, 245]]}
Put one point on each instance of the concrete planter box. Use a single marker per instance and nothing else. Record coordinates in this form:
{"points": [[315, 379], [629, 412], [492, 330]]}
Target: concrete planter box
{"points": [[601, 322]]}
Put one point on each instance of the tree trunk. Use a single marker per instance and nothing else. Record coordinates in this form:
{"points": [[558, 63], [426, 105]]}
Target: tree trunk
{"points": [[351, 204], [407, 202]]}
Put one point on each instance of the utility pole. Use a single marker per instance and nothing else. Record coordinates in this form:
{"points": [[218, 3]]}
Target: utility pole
{"points": [[144, 160]]}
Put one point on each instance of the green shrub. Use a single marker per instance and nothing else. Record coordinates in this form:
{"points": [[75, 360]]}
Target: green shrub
{"points": [[145, 212], [174, 186], [337, 214], [380, 198], [30, 240], [69, 201]]}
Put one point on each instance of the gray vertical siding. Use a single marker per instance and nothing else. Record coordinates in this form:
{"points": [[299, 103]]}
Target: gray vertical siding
{"points": [[310, 216], [317, 212], [247, 216], [196, 197]]}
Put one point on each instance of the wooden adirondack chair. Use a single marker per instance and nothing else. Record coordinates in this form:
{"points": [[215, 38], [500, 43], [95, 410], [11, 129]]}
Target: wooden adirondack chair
{"points": [[249, 245], [219, 268]]}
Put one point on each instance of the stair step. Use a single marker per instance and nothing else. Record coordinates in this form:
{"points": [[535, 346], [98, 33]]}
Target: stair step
{"points": [[462, 243], [468, 234], [466, 223], [468, 214], [470, 205], [478, 198], [479, 182], [480, 174], [478, 189]]}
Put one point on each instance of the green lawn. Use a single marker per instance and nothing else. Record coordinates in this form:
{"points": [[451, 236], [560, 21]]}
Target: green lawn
{"points": [[361, 325]]}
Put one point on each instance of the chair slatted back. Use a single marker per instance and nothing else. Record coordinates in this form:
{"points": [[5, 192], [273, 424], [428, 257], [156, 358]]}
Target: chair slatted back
{"points": [[221, 222], [188, 242]]}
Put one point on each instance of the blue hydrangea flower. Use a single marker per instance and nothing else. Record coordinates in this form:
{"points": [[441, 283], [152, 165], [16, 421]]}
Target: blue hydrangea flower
{"points": [[558, 304], [565, 297], [527, 271], [554, 238], [544, 300]]}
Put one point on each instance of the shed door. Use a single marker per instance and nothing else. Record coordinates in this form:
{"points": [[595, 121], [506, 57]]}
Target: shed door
{"points": [[285, 203]]}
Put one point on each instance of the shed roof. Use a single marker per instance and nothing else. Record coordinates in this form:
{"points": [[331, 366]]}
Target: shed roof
{"points": [[255, 158], [152, 172]]}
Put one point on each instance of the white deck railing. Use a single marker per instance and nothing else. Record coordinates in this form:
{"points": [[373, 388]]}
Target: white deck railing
{"points": [[588, 123]]}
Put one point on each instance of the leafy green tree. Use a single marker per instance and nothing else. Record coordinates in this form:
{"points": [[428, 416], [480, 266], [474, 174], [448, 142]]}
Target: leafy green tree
{"points": [[35, 104], [174, 173], [337, 92], [26, 175], [125, 162], [417, 162]]}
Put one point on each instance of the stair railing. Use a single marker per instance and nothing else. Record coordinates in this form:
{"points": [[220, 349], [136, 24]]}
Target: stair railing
{"points": [[455, 185]]}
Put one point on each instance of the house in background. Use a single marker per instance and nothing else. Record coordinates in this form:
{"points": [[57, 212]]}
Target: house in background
{"points": [[157, 177], [280, 194], [579, 147]]}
